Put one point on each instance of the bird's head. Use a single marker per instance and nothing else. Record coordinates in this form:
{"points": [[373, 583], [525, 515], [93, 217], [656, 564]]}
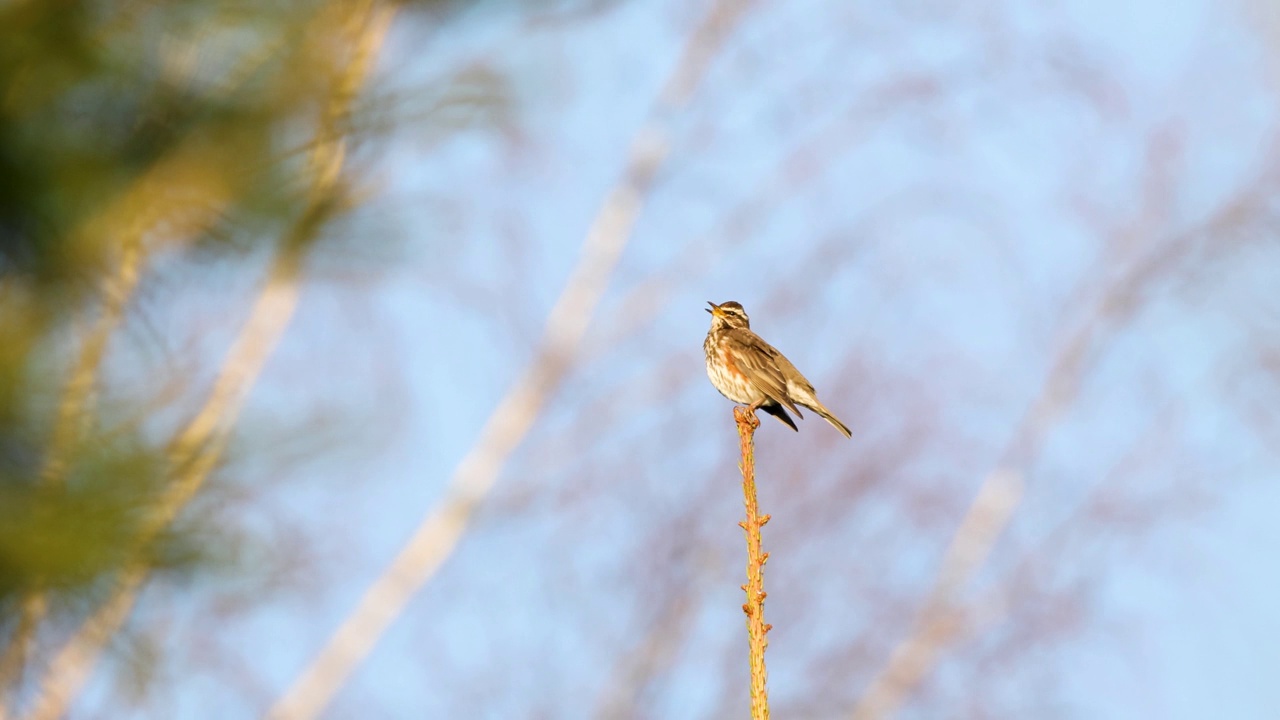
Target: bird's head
{"points": [[728, 315]]}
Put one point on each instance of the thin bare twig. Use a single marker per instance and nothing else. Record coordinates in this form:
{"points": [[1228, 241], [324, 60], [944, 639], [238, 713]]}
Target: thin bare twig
{"points": [[757, 628]]}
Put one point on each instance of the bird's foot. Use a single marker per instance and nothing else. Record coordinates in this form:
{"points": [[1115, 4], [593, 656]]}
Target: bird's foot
{"points": [[746, 415]]}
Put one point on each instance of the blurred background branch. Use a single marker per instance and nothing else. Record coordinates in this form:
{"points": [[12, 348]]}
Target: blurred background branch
{"points": [[438, 533], [178, 200]]}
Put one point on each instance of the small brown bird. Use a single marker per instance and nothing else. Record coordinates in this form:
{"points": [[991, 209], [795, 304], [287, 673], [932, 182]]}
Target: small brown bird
{"points": [[750, 371]]}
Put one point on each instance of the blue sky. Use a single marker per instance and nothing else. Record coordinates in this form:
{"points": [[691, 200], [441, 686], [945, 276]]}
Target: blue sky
{"points": [[918, 205]]}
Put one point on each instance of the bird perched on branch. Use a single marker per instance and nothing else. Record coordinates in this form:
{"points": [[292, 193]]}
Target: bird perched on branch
{"points": [[748, 370]]}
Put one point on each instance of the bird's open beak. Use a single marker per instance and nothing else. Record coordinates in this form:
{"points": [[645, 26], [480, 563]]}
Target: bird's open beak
{"points": [[714, 309]]}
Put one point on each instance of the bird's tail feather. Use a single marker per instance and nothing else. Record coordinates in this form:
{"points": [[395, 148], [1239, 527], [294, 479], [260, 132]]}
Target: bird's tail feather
{"points": [[826, 415]]}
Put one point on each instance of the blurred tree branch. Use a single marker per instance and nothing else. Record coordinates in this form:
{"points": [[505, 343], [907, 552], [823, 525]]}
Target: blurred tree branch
{"points": [[1119, 298], [438, 533]]}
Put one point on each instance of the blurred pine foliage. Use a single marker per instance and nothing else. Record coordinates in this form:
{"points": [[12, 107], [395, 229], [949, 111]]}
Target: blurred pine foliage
{"points": [[130, 129]]}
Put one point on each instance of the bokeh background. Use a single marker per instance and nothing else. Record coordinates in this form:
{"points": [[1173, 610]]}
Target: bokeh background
{"points": [[351, 357]]}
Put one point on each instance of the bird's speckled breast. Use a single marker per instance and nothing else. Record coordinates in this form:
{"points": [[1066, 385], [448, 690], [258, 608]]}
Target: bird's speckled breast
{"points": [[725, 375]]}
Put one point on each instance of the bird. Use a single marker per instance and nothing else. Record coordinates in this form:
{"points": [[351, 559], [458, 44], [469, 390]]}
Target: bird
{"points": [[748, 370]]}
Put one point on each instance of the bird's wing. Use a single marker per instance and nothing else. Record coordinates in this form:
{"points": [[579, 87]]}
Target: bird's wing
{"points": [[790, 372], [756, 359]]}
